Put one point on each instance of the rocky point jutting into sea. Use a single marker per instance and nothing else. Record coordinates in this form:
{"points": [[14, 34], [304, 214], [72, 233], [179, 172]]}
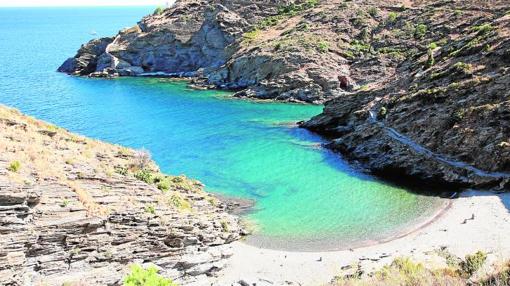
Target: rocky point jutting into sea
{"points": [[77, 210], [412, 89]]}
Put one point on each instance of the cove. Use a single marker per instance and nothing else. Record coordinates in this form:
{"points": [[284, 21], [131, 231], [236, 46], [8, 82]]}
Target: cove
{"points": [[307, 197]]}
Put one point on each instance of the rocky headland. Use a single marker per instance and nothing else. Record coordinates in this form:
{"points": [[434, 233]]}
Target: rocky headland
{"points": [[76, 211], [443, 115], [414, 90]]}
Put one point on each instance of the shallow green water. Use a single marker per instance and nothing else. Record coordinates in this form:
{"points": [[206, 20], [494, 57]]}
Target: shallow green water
{"points": [[307, 198]]}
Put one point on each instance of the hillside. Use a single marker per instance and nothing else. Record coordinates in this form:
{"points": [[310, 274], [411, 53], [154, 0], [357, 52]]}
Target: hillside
{"points": [[443, 116], [412, 89], [76, 211]]}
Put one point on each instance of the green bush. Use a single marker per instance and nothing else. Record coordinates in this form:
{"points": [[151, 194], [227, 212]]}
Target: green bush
{"points": [[293, 9], [407, 266], [224, 226], [372, 11], [360, 47], [420, 31], [64, 203], [251, 36], [164, 185], [286, 11], [323, 46], [14, 166], [144, 176], [158, 11], [473, 262], [392, 17], [500, 279], [150, 209], [483, 29], [179, 202], [402, 271], [121, 170], [463, 68], [146, 277]]}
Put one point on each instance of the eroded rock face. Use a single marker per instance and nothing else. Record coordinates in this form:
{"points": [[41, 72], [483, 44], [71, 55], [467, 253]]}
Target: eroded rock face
{"points": [[443, 117], [192, 35], [208, 40], [433, 74], [74, 213], [86, 60], [300, 51]]}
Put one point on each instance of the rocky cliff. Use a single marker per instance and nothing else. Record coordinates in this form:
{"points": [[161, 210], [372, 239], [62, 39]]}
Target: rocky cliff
{"points": [[74, 211], [443, 115], [267, 49], [414, 89]]}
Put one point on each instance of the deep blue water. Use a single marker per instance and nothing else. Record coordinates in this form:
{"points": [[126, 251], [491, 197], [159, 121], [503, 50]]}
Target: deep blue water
{"points": [[306, 196]]}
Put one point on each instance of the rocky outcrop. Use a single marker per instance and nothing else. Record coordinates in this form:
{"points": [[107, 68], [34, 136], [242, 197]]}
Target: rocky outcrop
{"points": [[411, 94], [257, 46], [443, 116], [87, 58], [74, 210], [190, 36]]}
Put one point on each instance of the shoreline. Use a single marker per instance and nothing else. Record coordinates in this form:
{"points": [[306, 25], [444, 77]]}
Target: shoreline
{"points": [[412, 227], [452, 229]]}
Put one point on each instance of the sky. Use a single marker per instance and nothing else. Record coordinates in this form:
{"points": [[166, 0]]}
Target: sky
{"points": [[49, 3]]}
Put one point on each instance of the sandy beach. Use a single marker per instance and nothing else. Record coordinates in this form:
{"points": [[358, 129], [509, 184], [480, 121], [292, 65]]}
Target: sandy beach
{"points": [[474, 221]]}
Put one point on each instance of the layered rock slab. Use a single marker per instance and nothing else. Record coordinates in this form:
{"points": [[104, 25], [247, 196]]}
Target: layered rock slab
{"points": [[74, 213]]}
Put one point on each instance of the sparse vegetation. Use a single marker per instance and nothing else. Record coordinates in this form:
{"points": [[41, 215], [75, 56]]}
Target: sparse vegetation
{"points": [[483, 29], [158, 11], [391, 18], [251, 36], [150, 209], [420, 31], [163, 185], [430, 55], [322, 46], [463, 68], [473, 262], [293, 9], [382, 112], [373, 11], [121, 170], [14, 166], [285, 12], [360, 47], [142, 159], [404, 271], [430, 58], [179, 202], [224, 225], [146, 277], [144, 175], [65, 203]]}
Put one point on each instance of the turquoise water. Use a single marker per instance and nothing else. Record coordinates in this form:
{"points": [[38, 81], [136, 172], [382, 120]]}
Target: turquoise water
{"points": [[307, 197]]}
